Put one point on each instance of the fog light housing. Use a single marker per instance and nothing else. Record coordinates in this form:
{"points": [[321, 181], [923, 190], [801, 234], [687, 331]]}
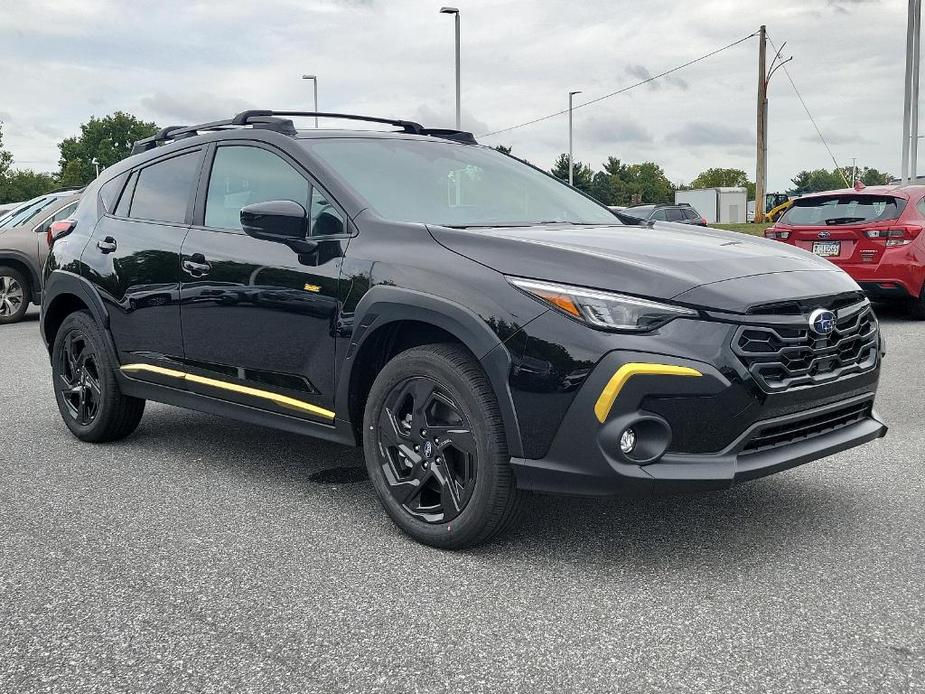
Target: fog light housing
{"points": [[628, 440]]}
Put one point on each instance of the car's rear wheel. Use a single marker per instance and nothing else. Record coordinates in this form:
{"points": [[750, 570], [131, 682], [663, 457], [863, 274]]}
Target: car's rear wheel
{"points": [[14, 295], [435, 448], [917, 307], [86, 388]]}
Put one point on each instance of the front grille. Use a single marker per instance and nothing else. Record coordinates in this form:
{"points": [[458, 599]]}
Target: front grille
{"points": [[802, 429], [781, 357]]}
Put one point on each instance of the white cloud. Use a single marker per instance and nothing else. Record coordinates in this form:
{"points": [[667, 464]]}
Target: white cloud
{"points": [[178, 61]]}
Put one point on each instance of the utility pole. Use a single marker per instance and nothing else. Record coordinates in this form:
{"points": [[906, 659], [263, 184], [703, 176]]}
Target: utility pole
{"points": [[571, 171], [911, 92], [762, 144], [455, 11], [854, 170]]}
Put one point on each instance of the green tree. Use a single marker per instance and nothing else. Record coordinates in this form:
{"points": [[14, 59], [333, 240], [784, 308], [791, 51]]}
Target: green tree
{"points": [[6, 158], [873, 177], [582, 174], [24, 184], [647, 182], [724, 178], [108, 140], [816, 181]]}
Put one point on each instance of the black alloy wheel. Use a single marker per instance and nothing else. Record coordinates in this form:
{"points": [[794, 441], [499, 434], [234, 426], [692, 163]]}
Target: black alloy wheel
{"points": [[428, 453], [79, 379]]}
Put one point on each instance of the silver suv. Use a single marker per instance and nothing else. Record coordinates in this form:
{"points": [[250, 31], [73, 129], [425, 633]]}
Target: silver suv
{"points": [[23, 250]]}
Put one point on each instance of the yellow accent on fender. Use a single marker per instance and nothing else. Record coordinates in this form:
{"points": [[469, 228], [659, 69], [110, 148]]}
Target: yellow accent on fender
{"points": [[233, 387], [626, 372]]}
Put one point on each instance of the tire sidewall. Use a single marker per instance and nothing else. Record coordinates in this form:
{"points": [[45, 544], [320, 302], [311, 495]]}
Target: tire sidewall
{"points": [[83, 323], [420, 363], [6, 271]]}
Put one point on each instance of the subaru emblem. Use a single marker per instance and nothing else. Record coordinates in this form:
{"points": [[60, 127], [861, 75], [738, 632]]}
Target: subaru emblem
{"points": [[823, 234], [822, 322]]}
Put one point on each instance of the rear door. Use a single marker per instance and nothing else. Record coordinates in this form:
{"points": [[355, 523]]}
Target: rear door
{"points": [[133, 258], [258, 318]]}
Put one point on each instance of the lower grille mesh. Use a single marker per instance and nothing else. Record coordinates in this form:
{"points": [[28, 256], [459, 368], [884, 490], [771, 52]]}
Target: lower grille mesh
{"points": [[802, 429]]}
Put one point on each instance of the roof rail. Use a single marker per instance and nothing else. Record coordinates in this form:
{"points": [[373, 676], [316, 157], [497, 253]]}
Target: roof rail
{"points": [[271, 120]]}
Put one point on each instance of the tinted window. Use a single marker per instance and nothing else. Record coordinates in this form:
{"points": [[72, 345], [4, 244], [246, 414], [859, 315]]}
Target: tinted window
{"points": [[325, 219], [690, 214], [843, 209], [674, 214], [63, 213], [163, 190], [125, 201], [659, 216], [242, 176], [920, 205], [26, 213], [455, 185], [109, 191]]}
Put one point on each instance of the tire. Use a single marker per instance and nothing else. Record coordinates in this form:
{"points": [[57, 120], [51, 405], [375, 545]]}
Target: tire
{"points": [[14, 295], [456, 489], [917, 307], [86, 389]]}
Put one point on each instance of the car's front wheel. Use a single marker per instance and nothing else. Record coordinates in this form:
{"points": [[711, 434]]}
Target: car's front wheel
{"points": [[14, 295], [86, 389], [435, 448]]}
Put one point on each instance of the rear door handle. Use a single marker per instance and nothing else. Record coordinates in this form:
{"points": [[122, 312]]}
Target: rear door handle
{"points": [[107, 245], [196, 265]]}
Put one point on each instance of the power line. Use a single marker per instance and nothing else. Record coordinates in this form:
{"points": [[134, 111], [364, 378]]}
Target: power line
{"points": [[625, 89], [812, 120]]}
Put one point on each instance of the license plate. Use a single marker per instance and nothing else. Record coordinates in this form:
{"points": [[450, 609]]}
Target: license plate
{"points": [[827, 249]]}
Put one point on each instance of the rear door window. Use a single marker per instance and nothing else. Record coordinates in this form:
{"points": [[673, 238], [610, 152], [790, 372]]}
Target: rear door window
{"points": [[659, 216], [164, 189], [843, 209], [674, 214]]}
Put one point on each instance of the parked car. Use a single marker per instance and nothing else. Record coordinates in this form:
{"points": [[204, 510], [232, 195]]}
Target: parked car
{"points": [[873, 233], [479, 327], [23, 248], [682, 213]]}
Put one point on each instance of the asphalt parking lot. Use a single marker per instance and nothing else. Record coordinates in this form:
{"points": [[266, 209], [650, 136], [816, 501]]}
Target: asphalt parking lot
{"points": [[204, 555]]}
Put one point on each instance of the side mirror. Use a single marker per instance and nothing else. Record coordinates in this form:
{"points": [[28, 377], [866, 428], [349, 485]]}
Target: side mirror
{"points": [[282, 221]]}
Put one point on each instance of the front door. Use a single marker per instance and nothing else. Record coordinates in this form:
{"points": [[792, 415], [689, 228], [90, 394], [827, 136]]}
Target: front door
{"points": [[258, 319]]}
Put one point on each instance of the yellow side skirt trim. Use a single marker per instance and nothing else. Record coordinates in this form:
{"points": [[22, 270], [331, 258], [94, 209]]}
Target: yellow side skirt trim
{"points": [[233, 387], [612, 390]]}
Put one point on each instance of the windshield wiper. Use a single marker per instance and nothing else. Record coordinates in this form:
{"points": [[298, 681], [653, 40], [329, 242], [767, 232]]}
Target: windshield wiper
{"points": [[843, 220]]}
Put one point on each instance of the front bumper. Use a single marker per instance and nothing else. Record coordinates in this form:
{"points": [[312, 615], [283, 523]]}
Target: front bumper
{"points": [[761, 433]]}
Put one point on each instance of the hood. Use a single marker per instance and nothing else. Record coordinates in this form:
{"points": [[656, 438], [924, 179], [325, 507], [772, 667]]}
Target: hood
{"points": [[662, 262]]}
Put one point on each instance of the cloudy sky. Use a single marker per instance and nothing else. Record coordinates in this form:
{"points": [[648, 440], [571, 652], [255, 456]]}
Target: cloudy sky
{"points": [[180, 62]]}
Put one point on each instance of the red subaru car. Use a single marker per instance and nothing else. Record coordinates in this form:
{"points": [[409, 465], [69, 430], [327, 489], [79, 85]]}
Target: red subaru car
{"points": [[873, 233]]}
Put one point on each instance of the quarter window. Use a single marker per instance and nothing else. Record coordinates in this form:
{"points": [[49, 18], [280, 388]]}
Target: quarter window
{"points": [[63, 213], [109, 192], [242, 176], [325, 219], [162, 192]]}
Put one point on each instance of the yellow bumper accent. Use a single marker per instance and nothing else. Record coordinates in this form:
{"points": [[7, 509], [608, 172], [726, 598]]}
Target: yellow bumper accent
{"points": [[612, 390], [233, 387]]}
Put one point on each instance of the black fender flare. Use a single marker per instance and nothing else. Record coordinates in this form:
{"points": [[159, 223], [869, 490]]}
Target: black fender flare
{"points": [[384, 304], [61, 282], [35, 273]]}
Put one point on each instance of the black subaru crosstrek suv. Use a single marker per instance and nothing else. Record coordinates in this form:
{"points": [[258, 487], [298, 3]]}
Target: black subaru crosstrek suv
{"points": [[480, 328]]}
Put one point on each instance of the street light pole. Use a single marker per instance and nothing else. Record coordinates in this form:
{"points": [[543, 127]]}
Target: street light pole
{"points": [[571, 172], [455, 11], [314, 79]]}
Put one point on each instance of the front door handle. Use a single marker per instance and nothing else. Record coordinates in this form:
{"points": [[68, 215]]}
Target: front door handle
{"points": [[196, 265], [107, 245]]}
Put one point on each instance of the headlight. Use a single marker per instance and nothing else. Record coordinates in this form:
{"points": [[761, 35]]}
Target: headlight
{"points": [[603, 309]]}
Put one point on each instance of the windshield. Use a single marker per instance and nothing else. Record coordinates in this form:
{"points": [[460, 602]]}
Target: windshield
{"points": [[453, 185], [22, 214], [843, 209]]}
